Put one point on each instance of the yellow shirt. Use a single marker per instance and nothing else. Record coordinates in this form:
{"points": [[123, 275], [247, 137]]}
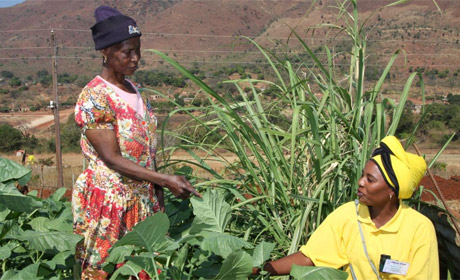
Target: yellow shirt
{"points": [[408, 237]]}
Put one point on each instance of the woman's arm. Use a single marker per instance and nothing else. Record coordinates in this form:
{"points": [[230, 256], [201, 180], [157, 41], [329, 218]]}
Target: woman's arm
{"points": [[283, 265], [105, 143]]}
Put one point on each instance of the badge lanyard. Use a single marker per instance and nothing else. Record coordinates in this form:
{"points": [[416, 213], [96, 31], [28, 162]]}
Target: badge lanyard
{"points": [[364, 247]]}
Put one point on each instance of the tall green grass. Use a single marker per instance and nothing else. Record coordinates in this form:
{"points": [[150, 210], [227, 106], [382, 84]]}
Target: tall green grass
{"points": [[299, 156]]}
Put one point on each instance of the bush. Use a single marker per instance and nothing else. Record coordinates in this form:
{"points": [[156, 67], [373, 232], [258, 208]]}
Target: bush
{"points": [[11, 140], [70, 135], [15, 82], [7, 74]]}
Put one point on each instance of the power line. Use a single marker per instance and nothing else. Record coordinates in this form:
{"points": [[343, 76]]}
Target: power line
{"points": [[232, 62], [243, 52], [235, 36]]}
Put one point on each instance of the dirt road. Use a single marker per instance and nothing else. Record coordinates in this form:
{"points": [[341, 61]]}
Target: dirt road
{"points": [[33, 120]]}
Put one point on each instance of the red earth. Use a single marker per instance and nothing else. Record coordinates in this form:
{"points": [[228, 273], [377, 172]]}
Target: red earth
{"points": [[450, 189]]}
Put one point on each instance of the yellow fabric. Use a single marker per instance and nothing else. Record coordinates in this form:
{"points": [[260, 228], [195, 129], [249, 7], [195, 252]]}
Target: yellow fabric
{"points": [[408, 237], [409, 168]]}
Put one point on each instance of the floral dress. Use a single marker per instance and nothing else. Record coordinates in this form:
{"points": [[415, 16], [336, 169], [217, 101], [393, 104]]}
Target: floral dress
{"points": [[106, 204]]}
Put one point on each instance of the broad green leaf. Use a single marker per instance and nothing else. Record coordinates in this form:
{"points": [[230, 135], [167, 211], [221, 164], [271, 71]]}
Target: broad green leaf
{"points": [[63, 222], [10, 170], [12, 230], [5, 251], [223, 244], [19, 202], [212, 213], [40, 224], [42, 241], [147, 264], [27, 273], [149, 234], [262, 253], [59, 259], [9, 274], [207, 270], [238, 265], [118, 254], [58, 194], [4, 211], [9, 187], [181, 256], [314, 272], [129, 268]]}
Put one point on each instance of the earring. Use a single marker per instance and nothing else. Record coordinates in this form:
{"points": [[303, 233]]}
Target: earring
{"points": [[391, 196], [104, 59]]}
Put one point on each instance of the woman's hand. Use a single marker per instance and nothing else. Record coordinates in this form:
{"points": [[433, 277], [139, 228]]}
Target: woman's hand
{"points": [[283, 265], [180, 187]]}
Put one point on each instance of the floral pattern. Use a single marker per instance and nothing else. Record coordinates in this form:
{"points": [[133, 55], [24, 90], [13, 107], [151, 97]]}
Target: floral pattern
{"points": [[106, 204]]}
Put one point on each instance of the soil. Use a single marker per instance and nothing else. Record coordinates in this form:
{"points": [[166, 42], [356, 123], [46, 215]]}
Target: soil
{"points": [[450, 190]]}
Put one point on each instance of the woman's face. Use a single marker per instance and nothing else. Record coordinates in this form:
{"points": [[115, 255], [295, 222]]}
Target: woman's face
{"points": [[372, 188], [123, 58]]}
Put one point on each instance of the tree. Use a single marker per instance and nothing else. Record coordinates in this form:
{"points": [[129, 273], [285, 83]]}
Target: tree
{"points": [[15, 82], [7, 74], [12, 138], [453, 99], [44, 77], [70, 135], [180, 101], [406, 122]]}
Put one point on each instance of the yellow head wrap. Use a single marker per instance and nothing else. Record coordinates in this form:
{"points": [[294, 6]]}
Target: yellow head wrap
{"points": [[401, 170]]}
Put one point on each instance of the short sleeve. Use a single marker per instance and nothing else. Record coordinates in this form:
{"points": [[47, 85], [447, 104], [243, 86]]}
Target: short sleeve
{"points": [[424, 262], [93, 110], [325, 246]]}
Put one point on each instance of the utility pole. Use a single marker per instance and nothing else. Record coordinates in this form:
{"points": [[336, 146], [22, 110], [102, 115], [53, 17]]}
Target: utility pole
{"points": [[55, 107]]}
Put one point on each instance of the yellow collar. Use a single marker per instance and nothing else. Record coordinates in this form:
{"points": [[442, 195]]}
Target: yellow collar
{"points": [[392, 225]]}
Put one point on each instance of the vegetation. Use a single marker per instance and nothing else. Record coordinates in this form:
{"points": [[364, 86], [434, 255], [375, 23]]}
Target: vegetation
{"points": [[36, 239], [298, 158]]}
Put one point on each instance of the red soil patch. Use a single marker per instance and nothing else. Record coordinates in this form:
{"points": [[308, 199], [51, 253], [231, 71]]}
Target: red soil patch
{"points": [[450, 188]]}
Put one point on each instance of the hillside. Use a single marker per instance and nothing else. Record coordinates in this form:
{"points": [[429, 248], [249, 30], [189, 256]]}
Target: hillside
{"points": [[207, 31], [211, 35]]}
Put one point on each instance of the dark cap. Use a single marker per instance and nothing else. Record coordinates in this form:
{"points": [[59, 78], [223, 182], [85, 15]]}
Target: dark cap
{"points": [[112, 27]]}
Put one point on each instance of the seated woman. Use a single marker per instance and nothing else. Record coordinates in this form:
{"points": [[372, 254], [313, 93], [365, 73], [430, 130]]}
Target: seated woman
{"points": [[378, 237]]}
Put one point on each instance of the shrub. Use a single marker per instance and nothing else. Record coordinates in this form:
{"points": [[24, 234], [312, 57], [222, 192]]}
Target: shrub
{"points": [[11, 138]]}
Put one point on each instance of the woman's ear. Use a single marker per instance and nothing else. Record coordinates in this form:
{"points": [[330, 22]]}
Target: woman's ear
{"points": [[392, 194], [104, 53]]}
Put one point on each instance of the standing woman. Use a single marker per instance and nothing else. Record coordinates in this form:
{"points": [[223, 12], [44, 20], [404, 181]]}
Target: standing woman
{"points": [[120, 187], [378, 237]]}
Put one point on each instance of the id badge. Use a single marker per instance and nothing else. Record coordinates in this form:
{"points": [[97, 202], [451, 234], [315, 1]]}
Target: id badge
{"points": [[395, 267]]}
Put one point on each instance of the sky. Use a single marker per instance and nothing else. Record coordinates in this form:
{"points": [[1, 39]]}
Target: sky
{"points": [[9, 3]]}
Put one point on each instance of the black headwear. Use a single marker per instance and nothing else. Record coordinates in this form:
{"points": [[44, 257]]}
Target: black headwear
{"points": [[112, 27]]}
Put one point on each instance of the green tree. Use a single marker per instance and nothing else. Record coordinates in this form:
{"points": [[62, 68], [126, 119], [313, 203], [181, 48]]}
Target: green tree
{"points": [[453, 99], [179, 100], [406, 123], [11, 138], [7, 74], [44, 77], [15, 82], [70, 135]]}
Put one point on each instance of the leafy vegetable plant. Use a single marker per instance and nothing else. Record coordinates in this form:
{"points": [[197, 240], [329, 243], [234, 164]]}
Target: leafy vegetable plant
{"points": [[36, 239]]}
